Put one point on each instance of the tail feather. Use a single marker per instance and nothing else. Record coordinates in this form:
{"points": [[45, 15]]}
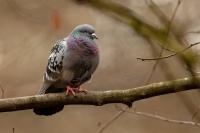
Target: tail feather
{"points": [[50, 110]]}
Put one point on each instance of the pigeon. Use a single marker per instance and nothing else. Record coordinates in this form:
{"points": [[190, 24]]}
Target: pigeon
{"points": [[71, 63]]}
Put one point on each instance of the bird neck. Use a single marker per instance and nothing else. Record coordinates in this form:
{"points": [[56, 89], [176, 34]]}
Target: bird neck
{"points": [[82, 45]]}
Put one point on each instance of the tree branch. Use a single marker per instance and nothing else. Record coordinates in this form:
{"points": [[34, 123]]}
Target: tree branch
{"points": [[100, 97]]}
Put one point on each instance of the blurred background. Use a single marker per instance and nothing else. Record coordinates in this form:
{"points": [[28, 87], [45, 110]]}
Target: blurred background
{"points": [[28, 29]]}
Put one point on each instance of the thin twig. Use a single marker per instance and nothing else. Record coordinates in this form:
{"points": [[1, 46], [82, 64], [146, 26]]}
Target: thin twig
{"points": [[171, 55], [155, 116], [159, 117]]}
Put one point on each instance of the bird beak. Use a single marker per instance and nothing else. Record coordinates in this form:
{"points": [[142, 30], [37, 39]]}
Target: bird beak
{"points": [[94, 36]]}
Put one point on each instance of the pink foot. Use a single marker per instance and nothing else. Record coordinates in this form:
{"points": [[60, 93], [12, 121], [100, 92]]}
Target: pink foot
{"points": [[73, 91], [70, 90]]}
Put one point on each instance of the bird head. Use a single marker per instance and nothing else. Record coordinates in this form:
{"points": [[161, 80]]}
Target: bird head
{"points": [[84, 30]]}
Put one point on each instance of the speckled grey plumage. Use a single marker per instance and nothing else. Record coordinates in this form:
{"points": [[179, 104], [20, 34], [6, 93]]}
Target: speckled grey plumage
{"points": [[72, 62]]}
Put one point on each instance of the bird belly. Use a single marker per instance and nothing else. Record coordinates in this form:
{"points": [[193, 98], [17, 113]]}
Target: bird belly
{"points": [[65, 79], [67, 75]]}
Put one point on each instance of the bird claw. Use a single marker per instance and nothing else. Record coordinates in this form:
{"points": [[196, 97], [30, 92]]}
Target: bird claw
{"points": [[70, 90], [73, 91]]}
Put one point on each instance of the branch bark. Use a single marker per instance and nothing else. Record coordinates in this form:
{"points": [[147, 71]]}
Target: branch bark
{"points": [[100, 97]]}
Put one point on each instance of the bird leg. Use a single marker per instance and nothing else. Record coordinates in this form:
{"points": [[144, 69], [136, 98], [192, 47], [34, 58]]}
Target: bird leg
{"points": [[74, 90]]}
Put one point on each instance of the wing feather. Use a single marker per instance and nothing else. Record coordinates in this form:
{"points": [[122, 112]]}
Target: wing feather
{"points": [[55, 61]]}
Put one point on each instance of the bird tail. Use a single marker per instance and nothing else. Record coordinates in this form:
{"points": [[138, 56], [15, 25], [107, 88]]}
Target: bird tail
{"points": [[50, 110]]}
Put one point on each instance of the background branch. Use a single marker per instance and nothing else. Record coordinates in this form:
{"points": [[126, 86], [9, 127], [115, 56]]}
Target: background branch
{"points": [[100, 97]]}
